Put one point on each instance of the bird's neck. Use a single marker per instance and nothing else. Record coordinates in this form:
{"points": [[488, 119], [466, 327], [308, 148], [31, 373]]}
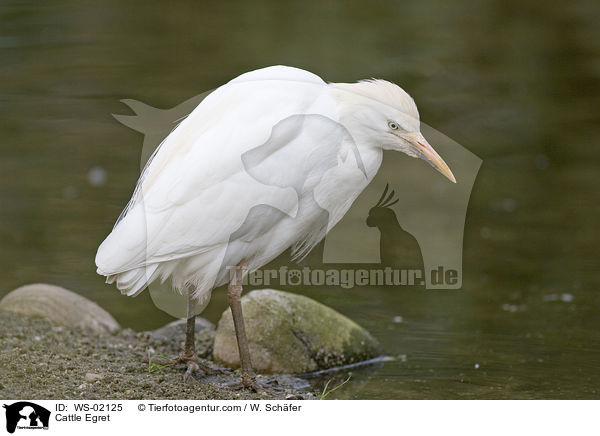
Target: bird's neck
{"points": [[371, 158], [348, 105]]}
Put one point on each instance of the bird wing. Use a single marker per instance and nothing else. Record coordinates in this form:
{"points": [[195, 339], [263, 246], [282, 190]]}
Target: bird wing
{"points": [[195, 191]]}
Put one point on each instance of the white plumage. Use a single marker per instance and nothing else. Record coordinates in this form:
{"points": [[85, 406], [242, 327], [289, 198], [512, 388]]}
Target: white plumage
{"points": [[272, 159]]}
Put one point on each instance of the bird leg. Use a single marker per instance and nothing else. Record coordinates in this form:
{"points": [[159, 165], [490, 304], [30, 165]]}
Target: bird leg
{"points": [[234, 292], [188, 356], [189, 347]]}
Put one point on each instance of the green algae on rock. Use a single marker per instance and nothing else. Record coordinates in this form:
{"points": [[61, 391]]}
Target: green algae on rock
{"points": [[289, 333]]}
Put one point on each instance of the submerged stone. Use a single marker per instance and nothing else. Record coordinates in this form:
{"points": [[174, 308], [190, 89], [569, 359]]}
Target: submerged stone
{"points": [[289, 333], [59, 305]]}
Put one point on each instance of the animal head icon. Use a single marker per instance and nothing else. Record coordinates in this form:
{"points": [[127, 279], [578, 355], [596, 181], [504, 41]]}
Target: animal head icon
{"points": [[382, 213]]}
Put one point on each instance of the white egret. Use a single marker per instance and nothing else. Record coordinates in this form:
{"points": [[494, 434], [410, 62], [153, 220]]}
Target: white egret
{"points": [[271, 160]]}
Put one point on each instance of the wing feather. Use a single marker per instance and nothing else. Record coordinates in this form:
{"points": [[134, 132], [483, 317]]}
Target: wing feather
{"points": [[195, 191]]}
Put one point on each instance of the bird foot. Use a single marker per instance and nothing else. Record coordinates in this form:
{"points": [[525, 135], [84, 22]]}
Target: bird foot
{"points": [[250, 383], [194, 364]]}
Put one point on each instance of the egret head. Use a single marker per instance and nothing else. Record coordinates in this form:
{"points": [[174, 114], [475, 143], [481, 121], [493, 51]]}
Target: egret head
{"points": [[381, 113]]}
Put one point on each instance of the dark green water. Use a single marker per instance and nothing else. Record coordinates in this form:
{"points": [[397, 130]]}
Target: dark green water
{"points": [[516, 82]]}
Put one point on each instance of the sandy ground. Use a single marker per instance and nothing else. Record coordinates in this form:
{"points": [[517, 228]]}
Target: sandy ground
{"points": [[41, 360]]}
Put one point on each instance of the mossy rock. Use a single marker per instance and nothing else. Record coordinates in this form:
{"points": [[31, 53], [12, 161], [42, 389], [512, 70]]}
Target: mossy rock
{"points": [[59, 305], [289, 333]]}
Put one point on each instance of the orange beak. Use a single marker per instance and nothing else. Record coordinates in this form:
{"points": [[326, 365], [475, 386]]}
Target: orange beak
{"points": [[427, 153]]}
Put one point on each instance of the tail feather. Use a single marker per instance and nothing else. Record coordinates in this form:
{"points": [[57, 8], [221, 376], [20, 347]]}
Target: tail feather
{"points": [[133, 282]]}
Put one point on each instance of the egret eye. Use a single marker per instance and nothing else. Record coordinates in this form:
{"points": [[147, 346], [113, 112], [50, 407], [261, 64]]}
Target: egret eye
{"points": [[393, 125]]}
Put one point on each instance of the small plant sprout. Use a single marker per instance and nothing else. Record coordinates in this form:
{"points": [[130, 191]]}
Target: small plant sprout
{"points": [[327, 392]]}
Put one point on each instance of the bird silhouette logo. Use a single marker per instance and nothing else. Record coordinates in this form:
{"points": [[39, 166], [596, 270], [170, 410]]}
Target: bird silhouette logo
{"points": [[397, 247], [26, 415]]}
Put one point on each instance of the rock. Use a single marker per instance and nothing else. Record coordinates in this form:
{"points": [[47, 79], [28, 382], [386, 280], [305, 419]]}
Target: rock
{"points": [[289, 333], [172, 336], [59, 305], [174, 330], [91, 377]]}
